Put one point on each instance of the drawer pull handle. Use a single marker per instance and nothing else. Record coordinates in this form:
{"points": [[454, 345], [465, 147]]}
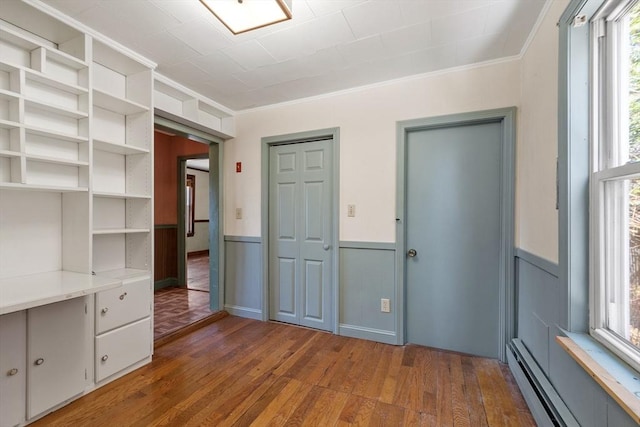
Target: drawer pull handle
{"points": [[39, 361], [122, 296], [104, 358], [105, 310], [12, 372]]}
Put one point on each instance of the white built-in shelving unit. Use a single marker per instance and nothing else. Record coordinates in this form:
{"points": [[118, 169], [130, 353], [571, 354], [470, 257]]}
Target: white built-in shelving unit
{"points": [[76, 210], [174, 101]]}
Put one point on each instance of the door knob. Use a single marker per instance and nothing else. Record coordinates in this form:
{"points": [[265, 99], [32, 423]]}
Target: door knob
{"points": [[412, 253], [39, 361], [326, 247]]}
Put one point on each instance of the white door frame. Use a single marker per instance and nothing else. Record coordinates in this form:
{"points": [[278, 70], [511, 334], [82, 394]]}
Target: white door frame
{"points": [[298, 138], [506, 117]]}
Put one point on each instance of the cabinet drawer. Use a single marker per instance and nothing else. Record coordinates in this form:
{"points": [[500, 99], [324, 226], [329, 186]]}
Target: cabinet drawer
{"points": [[118, 349], [117, 307]]}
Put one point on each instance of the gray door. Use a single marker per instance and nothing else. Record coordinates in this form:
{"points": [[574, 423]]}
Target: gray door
{"points": [[453, 224], [300, 247]]}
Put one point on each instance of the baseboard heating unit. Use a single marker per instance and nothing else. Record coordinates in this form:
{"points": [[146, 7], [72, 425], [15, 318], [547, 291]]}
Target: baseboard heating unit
{"points": [[545, 404]]}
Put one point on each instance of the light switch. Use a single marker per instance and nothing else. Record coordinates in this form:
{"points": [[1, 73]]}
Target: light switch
{"points": [[351, 210], [238, 213]]}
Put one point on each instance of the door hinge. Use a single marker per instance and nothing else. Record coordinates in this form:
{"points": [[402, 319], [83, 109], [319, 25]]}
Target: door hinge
{"points": [[86, 310], [86, 376]]}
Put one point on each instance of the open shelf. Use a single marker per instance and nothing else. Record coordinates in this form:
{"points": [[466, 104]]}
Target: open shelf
{"points": [[55, 109], [117, 105], [56, 160], [9, 95], [9, 153], [47, 188], [108, 195], [54, 134], [117, 148], [8, 124], [42, 78], [102, 231]]}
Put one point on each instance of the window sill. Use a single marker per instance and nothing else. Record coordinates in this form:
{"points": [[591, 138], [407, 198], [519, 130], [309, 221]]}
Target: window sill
{"points": [[619, 381]]}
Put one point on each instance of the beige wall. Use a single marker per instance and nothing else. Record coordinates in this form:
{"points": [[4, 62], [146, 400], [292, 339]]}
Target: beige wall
{"points": [[367, 121], [537, 224]]}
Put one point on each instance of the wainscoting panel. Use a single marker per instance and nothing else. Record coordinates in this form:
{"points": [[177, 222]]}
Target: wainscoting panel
{"points": [[367, 274], [243, 276], [166, 255], [539, 312]]}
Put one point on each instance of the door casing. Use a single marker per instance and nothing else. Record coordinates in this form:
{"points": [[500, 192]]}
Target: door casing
{"points": [[506, 117], [297, 138], [216, 237]]}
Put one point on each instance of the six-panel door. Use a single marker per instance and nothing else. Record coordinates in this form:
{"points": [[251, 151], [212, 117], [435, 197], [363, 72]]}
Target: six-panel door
{"points": [[300, 231]]}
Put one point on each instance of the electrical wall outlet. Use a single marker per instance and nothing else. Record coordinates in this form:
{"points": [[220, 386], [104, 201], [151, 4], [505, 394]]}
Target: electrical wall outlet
{"points": [[238, 213], [385, 305]]}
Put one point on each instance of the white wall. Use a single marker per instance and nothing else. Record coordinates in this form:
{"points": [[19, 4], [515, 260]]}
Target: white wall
{"points": [[367, 121], [200, 240], [537, 225]]}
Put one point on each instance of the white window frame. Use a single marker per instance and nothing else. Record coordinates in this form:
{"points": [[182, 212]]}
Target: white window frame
{"points": [[609, 251]]}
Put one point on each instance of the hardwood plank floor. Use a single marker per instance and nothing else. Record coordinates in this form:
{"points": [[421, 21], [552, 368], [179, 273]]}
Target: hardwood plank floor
{"points": [[241, 372]]}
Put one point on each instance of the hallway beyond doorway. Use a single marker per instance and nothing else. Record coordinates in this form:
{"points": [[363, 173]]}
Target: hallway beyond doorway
{"points": [[176, 308], [198, 271]]}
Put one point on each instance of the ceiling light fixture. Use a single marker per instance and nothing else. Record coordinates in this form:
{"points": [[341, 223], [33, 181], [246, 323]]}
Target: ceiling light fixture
{"points": [[240, 16]]}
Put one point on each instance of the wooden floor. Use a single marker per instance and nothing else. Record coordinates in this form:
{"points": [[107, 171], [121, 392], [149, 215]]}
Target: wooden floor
{"points": [[241, 372], [198, 272], [175, 308]]}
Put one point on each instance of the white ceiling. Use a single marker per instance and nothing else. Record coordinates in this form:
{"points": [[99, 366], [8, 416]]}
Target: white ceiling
{"points": [[330, 45]]}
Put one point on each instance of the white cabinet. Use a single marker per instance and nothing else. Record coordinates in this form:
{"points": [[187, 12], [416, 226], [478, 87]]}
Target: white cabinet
{"points": [[13, 372], [117, 307], [42, 359], [123, 327], [122, 347], [76, 198], [56, 358]]}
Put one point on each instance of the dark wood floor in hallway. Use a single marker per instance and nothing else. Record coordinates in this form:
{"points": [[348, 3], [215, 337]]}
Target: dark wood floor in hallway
{"points": [[241, 372]]}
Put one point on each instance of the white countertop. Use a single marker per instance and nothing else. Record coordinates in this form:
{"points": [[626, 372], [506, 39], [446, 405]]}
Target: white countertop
{"points": [[23, 292]]}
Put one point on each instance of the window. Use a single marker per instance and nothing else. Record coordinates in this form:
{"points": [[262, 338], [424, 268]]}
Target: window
{"points": [[615, 179]]}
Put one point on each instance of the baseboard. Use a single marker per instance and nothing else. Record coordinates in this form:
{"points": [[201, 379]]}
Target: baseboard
{"points": [[246, 312], [353, 331], [165, 283], [546, 406]]}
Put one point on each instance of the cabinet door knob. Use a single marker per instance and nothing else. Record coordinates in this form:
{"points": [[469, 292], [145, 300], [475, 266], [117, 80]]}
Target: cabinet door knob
{"points": [[39, 361], [122, 296], [12, 372], [104, 310], [104, 358]]}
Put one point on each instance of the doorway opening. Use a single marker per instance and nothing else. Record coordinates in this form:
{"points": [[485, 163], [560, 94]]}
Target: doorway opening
{"points": [[186, 206]]}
